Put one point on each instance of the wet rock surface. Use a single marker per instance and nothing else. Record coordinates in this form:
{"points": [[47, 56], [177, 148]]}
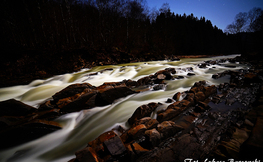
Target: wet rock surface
{"points": [[207, 122]]}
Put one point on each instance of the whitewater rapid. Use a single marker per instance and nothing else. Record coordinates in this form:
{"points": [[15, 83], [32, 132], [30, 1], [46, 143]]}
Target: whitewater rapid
{"points": [[81, 127]]}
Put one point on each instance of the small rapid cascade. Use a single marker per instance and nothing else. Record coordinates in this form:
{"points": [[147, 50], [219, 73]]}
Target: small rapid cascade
{"points": [[81, 127]]}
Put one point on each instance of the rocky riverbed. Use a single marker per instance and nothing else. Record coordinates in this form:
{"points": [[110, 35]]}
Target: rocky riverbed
{"points": [[206, 122]]}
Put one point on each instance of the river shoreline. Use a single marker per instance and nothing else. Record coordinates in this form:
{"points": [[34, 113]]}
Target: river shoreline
{"points": [[30, 67], [148, 139]]}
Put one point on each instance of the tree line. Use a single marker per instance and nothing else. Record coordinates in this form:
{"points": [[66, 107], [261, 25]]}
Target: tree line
{"points": [[247, 31], [124, 25]]}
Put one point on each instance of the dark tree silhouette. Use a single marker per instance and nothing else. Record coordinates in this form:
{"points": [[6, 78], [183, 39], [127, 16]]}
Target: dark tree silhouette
{"points": [[125, 25]]}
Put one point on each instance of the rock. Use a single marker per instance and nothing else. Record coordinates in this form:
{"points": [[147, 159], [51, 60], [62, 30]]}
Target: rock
{"points": [[137, 149], [161, 77], [171, 70], [190, 74], [153, 136], [251, 78], [145, 81], [210, 90], [204, 105], [48, 114], [114, 146], [13, 107], [230, 66], [47, 105], [177, 96], [253, 147], [169, 100], [168, 114], [6, 121], [71, 91], [158, 87], [168, 129], [165, 74], [26, 132], [130, 83], [180, 77], [203, 65], [151, 124], [97, 143], [85, 101], [87, 154], [137, 131], [189, 69], [175, 59], [105, 97], [216, 76], [199, 96], [181, 104], [142, 121], [148, 122], [142, 111]]}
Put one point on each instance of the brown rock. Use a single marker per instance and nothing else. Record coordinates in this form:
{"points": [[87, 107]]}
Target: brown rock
{"points": [[199, 96], [151, 124], [26, 132], [154, 137], [98, 141], [137, 149], [142, 111], [158, 87], [137, 131], [253, 147], [114, 146], [171, 70], [71, 91], [80, 103], [13, 107], [108, 96], [177, 96], [164, 74], [168, 114], [87, 154], [161, 76], [6, 121], [145, 81], [210, 90], [166, 128], [47, 105]]}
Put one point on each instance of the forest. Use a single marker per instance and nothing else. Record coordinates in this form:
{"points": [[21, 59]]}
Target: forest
{"points": [[41, 38], [126, 25]]}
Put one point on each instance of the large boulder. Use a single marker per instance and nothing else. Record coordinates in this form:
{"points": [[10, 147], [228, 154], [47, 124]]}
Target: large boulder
{"points": [[72, 90], [80, 103], [108, 96], [13, 107], [89, 97], [142, 111], [17, 135]]}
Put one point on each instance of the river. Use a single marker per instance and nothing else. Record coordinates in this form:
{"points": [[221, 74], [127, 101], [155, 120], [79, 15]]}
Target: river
{"points": [[81, 127]]}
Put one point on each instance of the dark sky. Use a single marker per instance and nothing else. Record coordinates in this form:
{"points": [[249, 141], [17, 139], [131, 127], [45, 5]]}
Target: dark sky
{"points": [[220, 12]]}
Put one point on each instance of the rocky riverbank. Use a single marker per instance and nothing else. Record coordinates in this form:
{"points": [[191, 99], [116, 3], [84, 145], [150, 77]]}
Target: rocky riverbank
{"points": [[207, 122], [36, 64]]}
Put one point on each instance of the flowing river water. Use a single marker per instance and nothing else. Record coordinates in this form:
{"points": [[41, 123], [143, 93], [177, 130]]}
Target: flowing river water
{"points": [[81, 127]]}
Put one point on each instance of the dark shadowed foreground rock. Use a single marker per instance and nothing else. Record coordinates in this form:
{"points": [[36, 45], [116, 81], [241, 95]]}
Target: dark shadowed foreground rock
{"points": [[13, 107], [26, 132]]}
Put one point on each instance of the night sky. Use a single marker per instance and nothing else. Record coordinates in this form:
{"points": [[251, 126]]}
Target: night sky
{"points": [[219, 12]]}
